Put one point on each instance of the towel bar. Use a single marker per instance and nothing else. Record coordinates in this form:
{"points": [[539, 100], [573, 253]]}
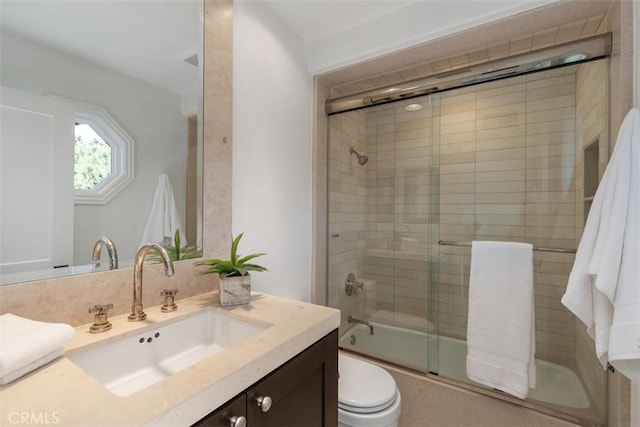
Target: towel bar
{"points": [[535, 248]]}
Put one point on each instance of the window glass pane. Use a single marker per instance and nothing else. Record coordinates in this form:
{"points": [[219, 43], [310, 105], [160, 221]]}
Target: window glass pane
{"points": [[92, 158]]}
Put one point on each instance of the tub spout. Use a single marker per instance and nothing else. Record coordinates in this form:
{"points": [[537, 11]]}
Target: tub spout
{"points": [[352, 319]]}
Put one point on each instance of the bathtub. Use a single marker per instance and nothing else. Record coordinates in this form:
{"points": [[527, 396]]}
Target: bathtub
{"points": [[555, 384]]}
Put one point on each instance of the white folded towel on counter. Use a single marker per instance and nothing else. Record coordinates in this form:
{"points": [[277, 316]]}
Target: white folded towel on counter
{"points": [[27, 344], [14, 375], [501, 324]]}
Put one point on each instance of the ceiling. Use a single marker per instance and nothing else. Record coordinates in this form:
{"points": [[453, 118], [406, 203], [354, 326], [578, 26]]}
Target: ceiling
{"points": [[150, 39], [146, 39], [316, 19]]}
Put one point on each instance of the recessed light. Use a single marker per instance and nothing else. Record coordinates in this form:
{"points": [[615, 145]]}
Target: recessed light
{"points": [[413, 107]]}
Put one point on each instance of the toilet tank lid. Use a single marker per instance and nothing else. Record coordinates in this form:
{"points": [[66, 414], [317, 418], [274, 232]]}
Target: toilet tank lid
{"points": [[364, 385]]}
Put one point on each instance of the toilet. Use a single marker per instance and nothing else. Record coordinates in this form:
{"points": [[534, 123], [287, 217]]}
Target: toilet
{"points": [[367, 395]]}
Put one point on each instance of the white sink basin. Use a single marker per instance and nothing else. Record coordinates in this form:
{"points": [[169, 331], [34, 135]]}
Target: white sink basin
{"points": [[133, 363]]}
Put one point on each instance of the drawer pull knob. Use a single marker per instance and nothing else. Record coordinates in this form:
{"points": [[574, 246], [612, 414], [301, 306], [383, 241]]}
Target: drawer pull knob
{"points": [[264, 403], [238, 421]]}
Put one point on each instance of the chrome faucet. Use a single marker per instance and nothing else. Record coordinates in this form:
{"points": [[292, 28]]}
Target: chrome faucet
{"points": [[352, 319], [137, 311], [111, 249]]}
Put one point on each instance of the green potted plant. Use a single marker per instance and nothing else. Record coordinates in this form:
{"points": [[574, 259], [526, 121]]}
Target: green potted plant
{"points": [[235, 280], [177, 252]]}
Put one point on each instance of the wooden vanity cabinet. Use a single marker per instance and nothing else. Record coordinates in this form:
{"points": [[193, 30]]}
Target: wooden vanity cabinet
{"points": [[223, 417], [301, 393]]}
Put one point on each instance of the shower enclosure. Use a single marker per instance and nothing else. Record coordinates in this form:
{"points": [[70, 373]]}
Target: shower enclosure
{"points": [[516, 159]]}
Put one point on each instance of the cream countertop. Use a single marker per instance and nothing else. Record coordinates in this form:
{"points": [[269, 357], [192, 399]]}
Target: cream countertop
{"points": [[62, 393]]}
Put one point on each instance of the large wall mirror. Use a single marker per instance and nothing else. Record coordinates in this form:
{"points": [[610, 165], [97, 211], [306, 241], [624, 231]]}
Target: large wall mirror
{"points": [[129, 71]]}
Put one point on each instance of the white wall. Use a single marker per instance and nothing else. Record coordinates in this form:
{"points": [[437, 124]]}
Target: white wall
{"points": [[149, 114], [416, 23], [272, 99]]}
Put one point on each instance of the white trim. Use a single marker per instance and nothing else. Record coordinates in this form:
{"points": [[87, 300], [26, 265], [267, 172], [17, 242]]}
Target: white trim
{"points": [[122, 155]]}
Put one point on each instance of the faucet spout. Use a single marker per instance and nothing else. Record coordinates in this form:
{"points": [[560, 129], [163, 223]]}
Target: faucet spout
{"points": [[111, 250], [352, 319], [137, 310]]}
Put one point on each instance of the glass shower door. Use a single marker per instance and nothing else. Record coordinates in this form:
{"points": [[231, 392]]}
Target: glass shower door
{"points": [[513, 168], [381, 227]]}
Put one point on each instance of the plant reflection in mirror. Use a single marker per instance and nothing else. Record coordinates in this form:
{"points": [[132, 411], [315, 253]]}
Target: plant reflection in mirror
{"points": [[177, 252]]}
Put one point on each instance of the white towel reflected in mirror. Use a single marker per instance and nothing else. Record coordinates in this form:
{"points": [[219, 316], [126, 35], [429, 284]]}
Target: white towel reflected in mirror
{"points": [[164, 218]]}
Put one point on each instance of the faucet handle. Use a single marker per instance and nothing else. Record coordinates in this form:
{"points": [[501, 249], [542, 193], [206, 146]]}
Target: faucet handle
{"points": [[169, 304], [352, 286], [100, 322]]}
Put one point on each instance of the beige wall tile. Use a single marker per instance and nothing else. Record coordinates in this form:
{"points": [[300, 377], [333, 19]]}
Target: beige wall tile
{"points": [[500, 133], [498, 50], [505, 164], [502, 110], [500, 165], [479, 55], [517, 175], [499, 187], [520, 45], [543, 38], [570, 31]]}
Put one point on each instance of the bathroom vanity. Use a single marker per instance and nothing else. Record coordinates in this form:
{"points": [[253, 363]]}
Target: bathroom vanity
{"points": [[292, 360], [302, 392]]}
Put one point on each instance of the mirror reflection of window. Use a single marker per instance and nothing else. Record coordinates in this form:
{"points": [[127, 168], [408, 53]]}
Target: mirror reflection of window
{"points": [[138, 105], [92, 158]]}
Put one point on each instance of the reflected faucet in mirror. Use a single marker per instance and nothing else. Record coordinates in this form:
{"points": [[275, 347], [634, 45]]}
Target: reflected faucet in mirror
{"points": [[137, 310], [111, 250]]}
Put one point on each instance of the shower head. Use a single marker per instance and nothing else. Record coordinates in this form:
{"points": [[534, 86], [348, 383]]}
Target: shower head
{"points": [[362, 158]]}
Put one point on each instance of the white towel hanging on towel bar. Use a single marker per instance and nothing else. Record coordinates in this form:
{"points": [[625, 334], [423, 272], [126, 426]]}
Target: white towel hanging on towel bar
{"points": [[604, 284], [501, 325]]}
